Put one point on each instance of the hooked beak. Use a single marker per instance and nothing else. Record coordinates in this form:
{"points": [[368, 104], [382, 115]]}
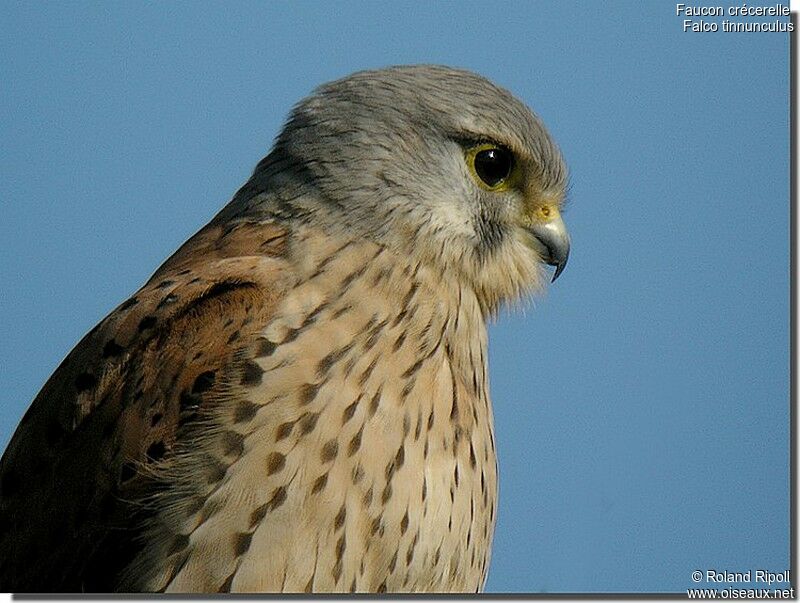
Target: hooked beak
{"points": [[553, 238]]}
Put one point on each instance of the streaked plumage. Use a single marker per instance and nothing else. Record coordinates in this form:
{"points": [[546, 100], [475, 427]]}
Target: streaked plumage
{"points": [[297, 400]]}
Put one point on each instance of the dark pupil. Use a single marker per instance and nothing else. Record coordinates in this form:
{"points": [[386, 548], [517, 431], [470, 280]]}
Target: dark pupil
{"points": [[493, 165]]}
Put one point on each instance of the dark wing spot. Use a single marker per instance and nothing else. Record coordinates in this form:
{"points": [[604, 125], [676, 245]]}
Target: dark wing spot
{"points": [[233, 444], [373, 404], [454, 407], [410, 294], [399, 342], [374, 335], [252, 374], [319, 483], [195, 505], [148, 322], [275, 462], [413, 368], [328, 361], [410, 553], [346, 281], [112, 348], [355, 443], [128, 304], [308, 423], [215, 473], [265, 348], [283, 431], [340, 311], [85, 381], [258, 515], [368, 372], [241, 543], [278, 498], [204, 382], [329, 451], [367, 498], [181, 542], [338, 522], [387, 493], [291, 335], [226, 586], [308, 392], [245, 411], [400, 457], [399, 318], [189, 403], [340, 546], [155, 452], [221, 288], [350, 411]]}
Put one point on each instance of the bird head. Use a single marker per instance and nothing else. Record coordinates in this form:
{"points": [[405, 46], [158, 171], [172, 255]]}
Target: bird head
{"points": [[438, 164]]}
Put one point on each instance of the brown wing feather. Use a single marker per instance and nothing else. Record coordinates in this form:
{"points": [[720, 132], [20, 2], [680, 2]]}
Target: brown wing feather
{"points": [[74, 476]]}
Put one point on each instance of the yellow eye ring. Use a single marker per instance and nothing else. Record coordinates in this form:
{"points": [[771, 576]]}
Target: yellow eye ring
{"points": [[492, 166]]}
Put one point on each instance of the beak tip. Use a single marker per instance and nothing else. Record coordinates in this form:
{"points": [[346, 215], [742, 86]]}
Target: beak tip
{"points": [[559, 269]]}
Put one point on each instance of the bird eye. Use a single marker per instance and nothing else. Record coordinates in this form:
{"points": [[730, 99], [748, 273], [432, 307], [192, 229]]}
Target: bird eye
{"points": [[491, 164]]}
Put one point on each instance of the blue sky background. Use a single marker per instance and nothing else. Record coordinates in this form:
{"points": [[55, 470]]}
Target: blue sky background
{"points": [[641, 405]]}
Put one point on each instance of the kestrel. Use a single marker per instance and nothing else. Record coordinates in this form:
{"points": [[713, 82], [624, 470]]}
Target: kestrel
{"points": [[297, 400]]}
